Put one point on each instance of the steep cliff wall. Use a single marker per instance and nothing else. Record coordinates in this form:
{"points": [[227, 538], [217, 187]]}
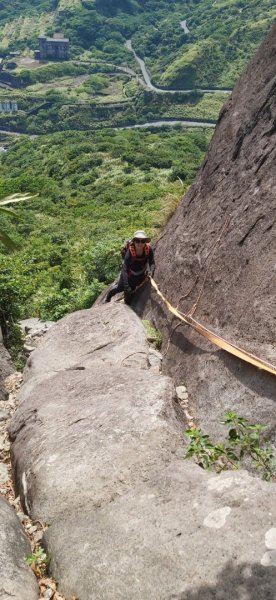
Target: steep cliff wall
{"points": [[237, 181]]}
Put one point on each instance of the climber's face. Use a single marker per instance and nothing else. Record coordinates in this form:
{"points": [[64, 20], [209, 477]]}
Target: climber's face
{"points": [[139, 245]]}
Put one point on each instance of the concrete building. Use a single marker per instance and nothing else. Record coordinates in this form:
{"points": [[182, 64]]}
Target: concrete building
{"points": [[8, 106], [55, 48]]}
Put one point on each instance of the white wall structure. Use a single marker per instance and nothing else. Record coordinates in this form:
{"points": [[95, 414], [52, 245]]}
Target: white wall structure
{"points": [[8, 106]]}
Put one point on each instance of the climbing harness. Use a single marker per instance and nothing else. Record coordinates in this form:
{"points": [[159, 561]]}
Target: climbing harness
{"points": [[140, 272], [129, 245], [214, 338]]}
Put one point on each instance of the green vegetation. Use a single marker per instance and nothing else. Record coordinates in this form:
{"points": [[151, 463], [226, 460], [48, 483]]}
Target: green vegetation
{"points": [[245, 443], [38, 561], [94, 189], [90, 91], [4, 238], [14, 343], [221, 39], [79, 95], [154, 336], [87, 107]]}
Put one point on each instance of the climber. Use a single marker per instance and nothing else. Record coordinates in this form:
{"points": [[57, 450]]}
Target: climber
{"points": [[138, 264]]}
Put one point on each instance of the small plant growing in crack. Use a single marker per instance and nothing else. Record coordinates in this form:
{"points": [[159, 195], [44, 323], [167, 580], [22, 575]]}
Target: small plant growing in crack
{"points": [[245, 441], [154, 336], [38, 561]]}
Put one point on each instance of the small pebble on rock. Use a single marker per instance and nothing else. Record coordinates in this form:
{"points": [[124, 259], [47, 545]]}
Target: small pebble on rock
{"points": [[181, 392], [48, 594]]}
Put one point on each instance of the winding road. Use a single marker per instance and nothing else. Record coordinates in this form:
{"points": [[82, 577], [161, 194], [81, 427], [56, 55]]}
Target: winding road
{"points": [[169, 122], [159, 90], [157, 123], [150, 86]]}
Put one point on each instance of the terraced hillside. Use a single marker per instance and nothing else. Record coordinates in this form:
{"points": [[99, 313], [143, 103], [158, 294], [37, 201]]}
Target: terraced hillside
{"points": [[190, 44]]}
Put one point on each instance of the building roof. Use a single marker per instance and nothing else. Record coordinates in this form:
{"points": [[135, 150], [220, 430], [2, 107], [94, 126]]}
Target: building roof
{"points": [[57, 40]]}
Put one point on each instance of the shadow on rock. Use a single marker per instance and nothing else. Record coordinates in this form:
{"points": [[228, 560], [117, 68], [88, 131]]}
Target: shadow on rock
{"points": [[258, 381], [240, 582]]}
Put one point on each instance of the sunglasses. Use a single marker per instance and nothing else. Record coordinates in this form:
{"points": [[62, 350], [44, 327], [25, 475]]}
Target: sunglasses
{"points": [[140, 241]]}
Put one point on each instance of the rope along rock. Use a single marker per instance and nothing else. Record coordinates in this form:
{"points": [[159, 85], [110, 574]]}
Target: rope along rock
{"points": [[216, 339]]}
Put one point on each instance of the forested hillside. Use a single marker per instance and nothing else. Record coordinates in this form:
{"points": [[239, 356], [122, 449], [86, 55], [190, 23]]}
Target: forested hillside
{"points": [[210, 50], [94, 190]]}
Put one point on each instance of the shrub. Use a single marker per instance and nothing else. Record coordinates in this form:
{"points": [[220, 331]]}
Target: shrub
{"points": [[245, 441]]}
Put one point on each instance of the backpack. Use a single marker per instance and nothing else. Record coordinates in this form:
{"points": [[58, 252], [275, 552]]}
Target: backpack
{"points": [[129, 245]]}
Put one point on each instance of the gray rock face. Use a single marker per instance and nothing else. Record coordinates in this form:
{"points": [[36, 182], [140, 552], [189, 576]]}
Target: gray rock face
{"points": [[97, 442], [225, 229], [181, 535], [101, 335], [89, 436], [98, 454], [94, 409], [33, 330], [17, 581]]}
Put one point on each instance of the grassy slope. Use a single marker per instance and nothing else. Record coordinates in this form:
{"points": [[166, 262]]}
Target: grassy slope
{"points": [[95, 189], [222, 38]]}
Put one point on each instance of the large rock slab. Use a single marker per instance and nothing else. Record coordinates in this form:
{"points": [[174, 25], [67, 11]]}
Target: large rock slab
{"points": [[97, 453], [104, 335], [17, 581], [184, 534], [85, 437], [223, 235], [91, 407]]}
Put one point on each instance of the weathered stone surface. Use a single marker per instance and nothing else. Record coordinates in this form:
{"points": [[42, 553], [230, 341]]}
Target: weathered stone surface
{"points": [[101, 335], [155, 360], [33, 330], [3, 415], [94, 409], [4, 474], [34, 325], [183, 534], [97, 453], [181, 392], [85, 437], [17, 581], [237, 182]]}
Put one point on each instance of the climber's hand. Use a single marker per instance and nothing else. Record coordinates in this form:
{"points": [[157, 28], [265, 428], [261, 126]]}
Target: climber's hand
{"points": [[127, 295]]}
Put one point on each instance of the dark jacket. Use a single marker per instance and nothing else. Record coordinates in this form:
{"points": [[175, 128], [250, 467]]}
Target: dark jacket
{"points": [[134, 268]]}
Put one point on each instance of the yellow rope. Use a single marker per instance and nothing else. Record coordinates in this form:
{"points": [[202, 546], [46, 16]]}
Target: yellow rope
{"points": [[216, 339]]}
